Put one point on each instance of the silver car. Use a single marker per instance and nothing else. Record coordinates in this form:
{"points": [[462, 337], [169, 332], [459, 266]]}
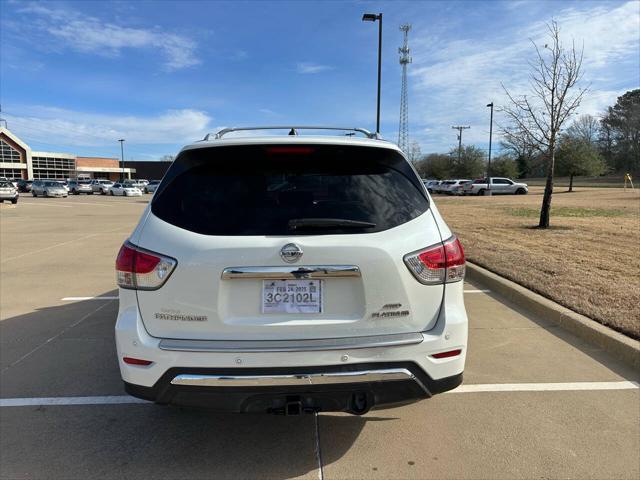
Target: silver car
{"points": [[48, 188], [8, 192], [77, 187], [151, 186], [101, 186]]}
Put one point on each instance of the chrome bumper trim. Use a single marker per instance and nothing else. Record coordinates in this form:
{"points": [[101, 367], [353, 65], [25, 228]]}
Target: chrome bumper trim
{"points": [[374, 341], [326, 378], [289, 272]]}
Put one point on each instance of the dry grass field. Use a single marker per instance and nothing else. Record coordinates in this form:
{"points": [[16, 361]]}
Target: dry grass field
{"points": [[589, 260]]}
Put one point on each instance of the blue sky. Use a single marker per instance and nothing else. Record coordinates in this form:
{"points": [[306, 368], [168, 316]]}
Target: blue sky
{"points": [[77, 76]]}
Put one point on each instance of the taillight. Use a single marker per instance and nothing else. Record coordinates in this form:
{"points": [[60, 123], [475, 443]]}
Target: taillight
{"points": [[139, 269], [440, 263]]}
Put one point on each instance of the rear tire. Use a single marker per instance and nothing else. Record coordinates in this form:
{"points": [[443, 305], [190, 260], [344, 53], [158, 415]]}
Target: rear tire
{"points": [[481, 192], [34, 194], [111, 192], [14, 201]]}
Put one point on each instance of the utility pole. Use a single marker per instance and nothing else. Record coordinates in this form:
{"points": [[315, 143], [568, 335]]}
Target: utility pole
{"points": [[490, 137], [460, 129]]}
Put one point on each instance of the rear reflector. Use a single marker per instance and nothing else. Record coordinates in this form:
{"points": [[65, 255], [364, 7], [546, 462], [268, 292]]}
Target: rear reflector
{"points": [[139, 269], [136, 361], [450, 353], [437, 264]]}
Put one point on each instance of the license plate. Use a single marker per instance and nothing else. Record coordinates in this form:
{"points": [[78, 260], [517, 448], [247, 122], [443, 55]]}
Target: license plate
{"points": [[292, 296]]}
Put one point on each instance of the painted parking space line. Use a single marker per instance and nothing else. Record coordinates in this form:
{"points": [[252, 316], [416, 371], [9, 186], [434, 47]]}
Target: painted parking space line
{"points": [[81, 299], [42, 401], [50, 247], [45, 204], [546, 387], [477, 291], [92, 204], [56, 336], [478, 388]]}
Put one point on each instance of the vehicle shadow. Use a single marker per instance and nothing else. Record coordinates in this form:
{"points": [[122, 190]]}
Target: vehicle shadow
{"points": [[68, 351], [596, 353]]}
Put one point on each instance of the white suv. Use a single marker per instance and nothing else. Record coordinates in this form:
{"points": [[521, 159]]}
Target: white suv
{"points": [[291, 274]]}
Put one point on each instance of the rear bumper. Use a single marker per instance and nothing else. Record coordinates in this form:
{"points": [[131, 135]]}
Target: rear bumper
{"points": [[352, 388], [309, 372]]}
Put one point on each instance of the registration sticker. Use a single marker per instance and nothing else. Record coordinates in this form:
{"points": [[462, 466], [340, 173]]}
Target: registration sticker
{"points": [[292, 296]]}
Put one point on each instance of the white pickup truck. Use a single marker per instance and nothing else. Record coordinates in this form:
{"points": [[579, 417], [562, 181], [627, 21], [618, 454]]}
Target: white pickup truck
{"points": [[499, 186]]}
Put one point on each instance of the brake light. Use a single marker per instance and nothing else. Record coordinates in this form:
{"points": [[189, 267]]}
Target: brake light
{"points": [[297, 150], [138, 269], [440, 263]]}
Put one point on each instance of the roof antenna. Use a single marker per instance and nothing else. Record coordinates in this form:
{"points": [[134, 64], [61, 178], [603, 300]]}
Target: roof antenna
{"points": [[293, 132]]}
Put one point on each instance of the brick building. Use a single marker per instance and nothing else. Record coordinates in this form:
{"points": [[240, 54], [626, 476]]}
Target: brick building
{"points": [[17, 160]]}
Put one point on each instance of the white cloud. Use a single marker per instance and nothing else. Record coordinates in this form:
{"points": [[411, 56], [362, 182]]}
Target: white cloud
{"points": [[311, 68], [92, 35], [452, 81], [49, 125]]}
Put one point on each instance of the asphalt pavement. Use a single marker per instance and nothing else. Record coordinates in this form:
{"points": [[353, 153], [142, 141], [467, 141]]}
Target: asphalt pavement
{"points": [[536, 402]]}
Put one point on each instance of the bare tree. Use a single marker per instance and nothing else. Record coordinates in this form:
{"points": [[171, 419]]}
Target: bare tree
{"points": [[413, 153], [539, 117], [586, 127]]}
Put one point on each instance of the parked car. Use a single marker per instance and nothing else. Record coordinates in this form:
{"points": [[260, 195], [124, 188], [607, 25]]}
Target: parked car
{"points": [[499, 186], [151, 186], [431, 185], [445, 185], [451, 185], [48, 188], [101, 186], [76, 187], [283, 284], [8, 192], [459, 189], [142, 181], [124, 190], [24, 185], [134, 183]]}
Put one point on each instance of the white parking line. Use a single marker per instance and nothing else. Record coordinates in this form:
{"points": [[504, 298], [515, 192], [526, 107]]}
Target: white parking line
{"points": [[49, 340], [80, 299], [92, 204], [45, 204], [546, 387], [479, 388], [477, 291], [35, 402]]}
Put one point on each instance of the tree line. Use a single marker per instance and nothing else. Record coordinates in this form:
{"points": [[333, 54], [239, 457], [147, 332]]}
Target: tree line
{"points": [[590, 146]]}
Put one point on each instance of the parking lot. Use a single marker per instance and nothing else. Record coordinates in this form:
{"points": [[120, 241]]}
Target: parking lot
{"points": [[536, 402]]}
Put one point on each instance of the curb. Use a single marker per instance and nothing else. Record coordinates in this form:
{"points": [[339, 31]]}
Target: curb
{"points": [[618, 345]]}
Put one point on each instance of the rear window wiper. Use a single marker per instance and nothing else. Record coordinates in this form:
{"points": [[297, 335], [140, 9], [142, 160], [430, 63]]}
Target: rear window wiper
{"points": [[299, 223]]}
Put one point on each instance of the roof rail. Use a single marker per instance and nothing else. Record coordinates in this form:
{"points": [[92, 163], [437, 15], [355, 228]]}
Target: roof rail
{"points": [[292, 130]]}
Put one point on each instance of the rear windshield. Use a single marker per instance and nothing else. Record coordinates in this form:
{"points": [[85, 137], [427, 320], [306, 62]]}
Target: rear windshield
{"points": [[281, 189]]}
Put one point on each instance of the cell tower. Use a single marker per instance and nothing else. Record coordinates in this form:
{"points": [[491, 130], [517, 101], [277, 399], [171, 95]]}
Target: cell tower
{"points": [[405, 59]]}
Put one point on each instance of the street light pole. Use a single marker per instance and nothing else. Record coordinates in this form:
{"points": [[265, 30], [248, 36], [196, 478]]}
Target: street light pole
{"points": [[490, 138], [122, 159], [372, 17]]}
